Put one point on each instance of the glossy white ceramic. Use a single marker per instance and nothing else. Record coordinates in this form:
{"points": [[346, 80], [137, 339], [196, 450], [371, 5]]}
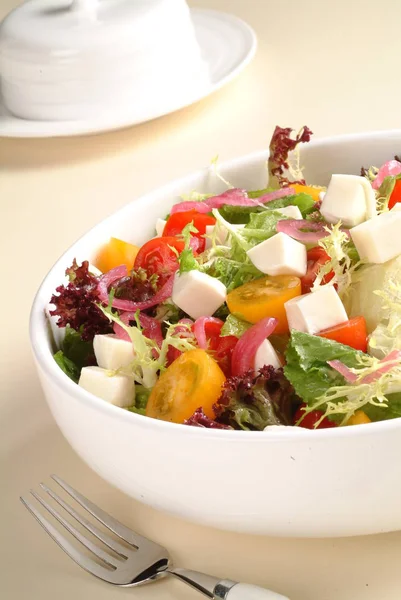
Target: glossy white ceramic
{"points": [[136, 94], [67, 60], [336, 482]]}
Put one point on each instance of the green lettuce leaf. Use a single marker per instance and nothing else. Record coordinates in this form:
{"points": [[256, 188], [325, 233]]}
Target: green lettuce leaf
{"points": [[307, 367], [76, 349], [141, 396], [259, 193], [241, 214], [67, 365], [186, 259], [320, 386], [385, 191], [235, 325], [141, 399]]}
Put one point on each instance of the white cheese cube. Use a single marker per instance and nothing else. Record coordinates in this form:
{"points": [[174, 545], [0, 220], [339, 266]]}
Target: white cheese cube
{"points": [[349, 199], [316, 311], [111, 352], [221, 238], [117, 389], [292, 212], [397, 206], [266, 355], [198, 294], [160, 225], [379, 239], [279, 255]]}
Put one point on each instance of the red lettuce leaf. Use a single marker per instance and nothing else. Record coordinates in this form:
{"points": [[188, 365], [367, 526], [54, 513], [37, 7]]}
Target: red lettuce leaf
{"points": [[280, 146], [254, 401], [75, 303], [199, 419]]}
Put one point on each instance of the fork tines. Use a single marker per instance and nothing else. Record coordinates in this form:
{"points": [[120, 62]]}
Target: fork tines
{"points": [[108, 562]]}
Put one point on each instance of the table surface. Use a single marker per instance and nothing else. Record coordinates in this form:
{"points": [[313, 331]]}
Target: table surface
{"points": [[333, 66]]}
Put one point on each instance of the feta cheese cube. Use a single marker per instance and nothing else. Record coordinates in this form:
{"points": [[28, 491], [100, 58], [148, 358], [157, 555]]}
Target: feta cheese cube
{"points": [[379, 239], [160, 224], [117, 389], [349, 199], [222, 236], [198, 294], [111, 352], [292, 212], [266, 355], [279, 255], [316, 311]]}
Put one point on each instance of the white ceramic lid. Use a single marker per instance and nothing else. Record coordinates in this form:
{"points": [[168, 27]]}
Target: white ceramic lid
{"points": [[66, 59]]}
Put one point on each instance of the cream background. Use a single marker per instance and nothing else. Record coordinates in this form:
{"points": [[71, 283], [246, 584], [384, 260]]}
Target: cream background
{"points": [[331, 65]]}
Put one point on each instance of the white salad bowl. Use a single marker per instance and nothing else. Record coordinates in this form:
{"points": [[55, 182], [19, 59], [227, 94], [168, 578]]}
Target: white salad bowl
{"points": [[293, 482]]}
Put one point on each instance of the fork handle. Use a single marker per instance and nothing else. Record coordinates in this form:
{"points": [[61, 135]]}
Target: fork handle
{"points": [[223, 589], [245, 591]]}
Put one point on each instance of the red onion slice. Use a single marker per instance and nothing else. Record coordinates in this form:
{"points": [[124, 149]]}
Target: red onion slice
{"points": [[345, 371], [293, 228], [117, 273], [233, 197], [108, 279], [389, 169], [276, 194], [187, 206], [388, 364], [151, 327], [243, 356], [200, 329]]}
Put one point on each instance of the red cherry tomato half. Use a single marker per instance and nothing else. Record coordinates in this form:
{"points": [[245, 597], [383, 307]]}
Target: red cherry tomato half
{"points": [[178, 221], [220, 348], [223, 352], [351, 333], [316, 257], [157, 256], [395, 195], [309, 421]]}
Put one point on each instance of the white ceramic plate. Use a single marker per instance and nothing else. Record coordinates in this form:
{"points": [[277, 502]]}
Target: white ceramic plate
{"points": [[228, 45], [330, 482]]}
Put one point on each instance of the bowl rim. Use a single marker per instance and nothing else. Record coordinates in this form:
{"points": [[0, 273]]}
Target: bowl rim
{"points": [[49, 367]]}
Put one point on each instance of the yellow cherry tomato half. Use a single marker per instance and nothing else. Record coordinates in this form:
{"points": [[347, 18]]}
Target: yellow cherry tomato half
{"points": [[311, 190], [359, 418], [265, 297], [114, 254], [194, 379]]}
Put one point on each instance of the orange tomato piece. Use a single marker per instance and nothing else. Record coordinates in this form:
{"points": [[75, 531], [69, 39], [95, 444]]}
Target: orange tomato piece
{"points": [[352, 333], [311, 190], [114, 254], [359, 418], [194, 379], [265, 297], [395, 195]]}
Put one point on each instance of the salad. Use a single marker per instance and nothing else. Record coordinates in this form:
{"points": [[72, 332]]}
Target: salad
{"points": [[251, 309]]}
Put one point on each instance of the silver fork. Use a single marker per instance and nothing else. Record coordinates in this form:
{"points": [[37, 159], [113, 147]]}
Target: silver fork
{"points": [[135, 561]]}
